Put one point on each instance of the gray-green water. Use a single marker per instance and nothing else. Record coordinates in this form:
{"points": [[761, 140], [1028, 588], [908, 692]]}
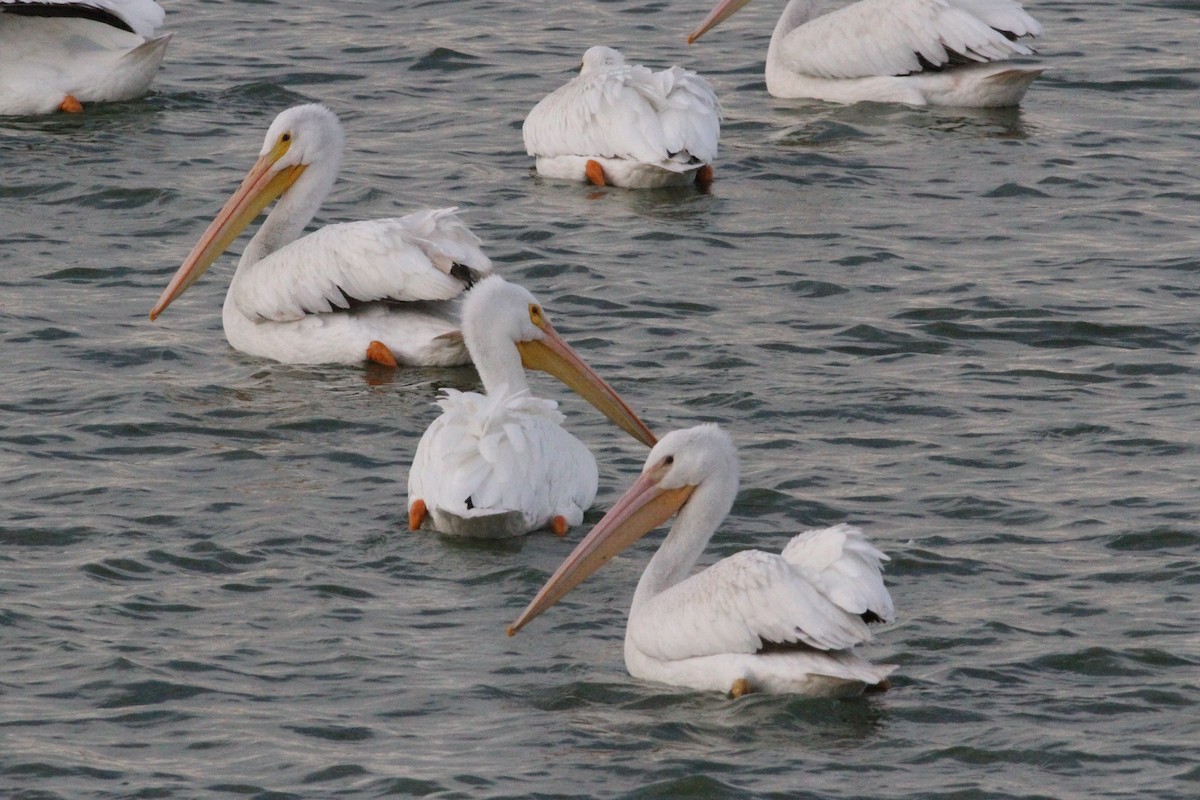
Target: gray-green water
{"points": [[974, 334]]}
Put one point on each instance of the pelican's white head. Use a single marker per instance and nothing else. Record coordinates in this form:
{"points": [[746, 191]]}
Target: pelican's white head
{"points": [[693, 472], [298, 164], [498, 310], [305, 134], [600, 57], [686, 457], [507, 332]]}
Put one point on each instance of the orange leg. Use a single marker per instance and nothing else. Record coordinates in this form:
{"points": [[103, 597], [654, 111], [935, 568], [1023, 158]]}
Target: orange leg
{"points": [[595, 173], [740, 687], [704, 176], [416, 515], [379, 353], [559, 525], [70, 104]]}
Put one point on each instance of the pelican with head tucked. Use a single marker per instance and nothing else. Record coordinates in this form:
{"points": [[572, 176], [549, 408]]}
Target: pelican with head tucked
{"points": [[919, 52], [624, 125], [384, 290], [56, 55], [754, 621], [500, 463]]}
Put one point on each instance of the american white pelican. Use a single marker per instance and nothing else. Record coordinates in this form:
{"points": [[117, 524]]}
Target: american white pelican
{"points": [[59, 54], [625, 125], [752, 622], [920, 52], [383, 290], [500, 463]]}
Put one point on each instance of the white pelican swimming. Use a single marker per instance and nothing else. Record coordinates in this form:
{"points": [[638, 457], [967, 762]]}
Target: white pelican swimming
{"points": [[500, 463], [59, 54], [383, 290], [920, 52], [625, 125], [754, 621]]}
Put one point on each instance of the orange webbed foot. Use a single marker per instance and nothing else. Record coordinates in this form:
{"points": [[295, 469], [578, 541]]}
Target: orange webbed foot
{"points": [[559, 525], [704, 176], [378, 353], [416, 514], [595, 173], [70, 104], [878, 688], [740, 688]]}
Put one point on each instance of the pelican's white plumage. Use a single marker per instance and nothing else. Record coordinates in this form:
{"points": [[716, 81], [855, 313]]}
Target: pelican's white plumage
{"points": [[508, 454], [500, 463], [919, 52], [345, 290], [754, 621], [58, 54], [643, 129]]}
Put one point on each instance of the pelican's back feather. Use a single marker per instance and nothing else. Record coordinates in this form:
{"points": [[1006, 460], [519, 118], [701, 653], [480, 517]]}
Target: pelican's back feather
{"points": [[739, 604], [901, 37], [629, 112], [492, 454], [403, 259]]}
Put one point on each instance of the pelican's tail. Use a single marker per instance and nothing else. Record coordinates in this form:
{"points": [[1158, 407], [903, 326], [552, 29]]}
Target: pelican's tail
{"points": [[132, 73], [977, 85], [852, 676], [1010, 84], [497, 525]]}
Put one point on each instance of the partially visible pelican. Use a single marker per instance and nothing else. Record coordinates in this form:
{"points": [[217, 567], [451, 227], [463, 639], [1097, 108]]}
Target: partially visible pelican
{"points": [[59, 54], [500, 463], [383, 290], [625, 125], [919, 52], [752, 622]]}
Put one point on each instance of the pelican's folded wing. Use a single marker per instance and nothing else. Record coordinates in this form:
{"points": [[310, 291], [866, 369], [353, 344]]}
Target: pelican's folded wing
{"points": [[604, 114], [427, 255], [689, 113], [488, 454], [142, 17], [844, 567], [1006, 16], [900, 37], [739, 604]]}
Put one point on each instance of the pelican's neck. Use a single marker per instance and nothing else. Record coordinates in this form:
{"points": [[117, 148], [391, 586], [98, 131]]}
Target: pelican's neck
{"points": [[293, 210], [497, 361], [694, 526], [796, 14]]}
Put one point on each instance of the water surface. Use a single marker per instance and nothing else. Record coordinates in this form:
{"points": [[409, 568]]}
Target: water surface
{"points": [[974, 333]]}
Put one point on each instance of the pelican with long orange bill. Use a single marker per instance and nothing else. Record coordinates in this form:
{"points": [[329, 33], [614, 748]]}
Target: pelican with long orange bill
{"points": [[752, 622], [500, 463], [918, 52], [383, 290]]}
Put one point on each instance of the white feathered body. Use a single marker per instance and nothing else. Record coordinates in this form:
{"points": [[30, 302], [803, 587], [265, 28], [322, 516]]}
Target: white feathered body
{"points": [[293, 305], [499, 466], [919, 52], [646, 129], [44, 59], [706, 631]]}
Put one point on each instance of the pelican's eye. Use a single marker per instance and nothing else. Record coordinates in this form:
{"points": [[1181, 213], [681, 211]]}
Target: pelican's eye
{"points": [[282, 145], [659, 470], [536, 316]]}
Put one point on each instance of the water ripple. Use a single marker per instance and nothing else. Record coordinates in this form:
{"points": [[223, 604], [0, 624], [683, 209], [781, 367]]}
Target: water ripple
{"points": [[972, 333]]}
